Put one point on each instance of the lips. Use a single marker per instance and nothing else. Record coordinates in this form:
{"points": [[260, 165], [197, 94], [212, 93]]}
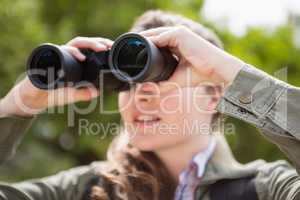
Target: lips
{"points": [[146, 119]]}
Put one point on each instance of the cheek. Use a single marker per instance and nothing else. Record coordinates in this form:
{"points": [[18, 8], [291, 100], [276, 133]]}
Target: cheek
{"points": [[184, 108], [171, 104], [123, 99], [125, 105], [179, 105], [194, 102]]}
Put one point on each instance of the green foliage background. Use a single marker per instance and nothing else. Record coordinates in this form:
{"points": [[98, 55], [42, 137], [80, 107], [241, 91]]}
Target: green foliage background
{"points": [[51, 145]]}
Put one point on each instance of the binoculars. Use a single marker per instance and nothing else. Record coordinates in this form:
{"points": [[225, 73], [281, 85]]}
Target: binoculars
{"points": [[132, 59]]}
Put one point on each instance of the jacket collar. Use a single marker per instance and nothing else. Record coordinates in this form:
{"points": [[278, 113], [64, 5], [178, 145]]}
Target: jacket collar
{"points": [[201, 159], [223, 165]]}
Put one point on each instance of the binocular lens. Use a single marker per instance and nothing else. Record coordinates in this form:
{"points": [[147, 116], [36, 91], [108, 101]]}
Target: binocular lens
{"points": [[46, 67], [131, 57]]}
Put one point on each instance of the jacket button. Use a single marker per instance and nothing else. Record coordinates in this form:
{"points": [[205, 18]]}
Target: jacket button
{"points": [[245, 98], [242, 111]]}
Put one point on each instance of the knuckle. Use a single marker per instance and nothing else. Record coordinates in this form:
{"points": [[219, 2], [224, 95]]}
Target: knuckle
{"points": [[90, 41], [103, 40], [70, 48], [99, 39], [78, 38], [95, 43], [108, 40], [181, 30], [75, 40]]}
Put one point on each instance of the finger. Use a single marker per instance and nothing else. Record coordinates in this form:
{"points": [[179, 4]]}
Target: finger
{"points": [[75, 52], [85, 94], [105, 41], [154, 31], [165, 39], [83, 42]]}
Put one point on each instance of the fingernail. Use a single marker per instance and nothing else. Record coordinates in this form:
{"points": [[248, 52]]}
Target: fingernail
{"points": [[81, 57], [94, 93], [100, 46]]}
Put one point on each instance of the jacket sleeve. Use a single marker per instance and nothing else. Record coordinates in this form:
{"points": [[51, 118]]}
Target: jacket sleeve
{"points": [[277, 181], [12, 130], [272, 106], [67, 185], [269, 104]]}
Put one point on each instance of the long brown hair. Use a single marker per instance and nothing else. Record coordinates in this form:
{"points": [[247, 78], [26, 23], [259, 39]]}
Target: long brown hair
{"points": [[130, 173]]}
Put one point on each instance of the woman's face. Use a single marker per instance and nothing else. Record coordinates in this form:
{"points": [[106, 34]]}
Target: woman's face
{"points": [[157, 120]]}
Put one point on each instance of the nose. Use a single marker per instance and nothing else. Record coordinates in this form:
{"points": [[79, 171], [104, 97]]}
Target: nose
{"points": [[147, 93]]}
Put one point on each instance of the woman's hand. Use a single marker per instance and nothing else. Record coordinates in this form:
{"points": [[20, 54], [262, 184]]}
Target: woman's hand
{"points": [[206, 62], [26, 100]]}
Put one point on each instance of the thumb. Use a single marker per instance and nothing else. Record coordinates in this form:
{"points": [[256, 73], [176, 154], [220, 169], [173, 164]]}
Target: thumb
{"points": [[85, 94]]}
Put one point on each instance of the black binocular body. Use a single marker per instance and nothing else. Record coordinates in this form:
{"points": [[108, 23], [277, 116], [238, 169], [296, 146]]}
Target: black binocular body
{"points": [[132, 59]]}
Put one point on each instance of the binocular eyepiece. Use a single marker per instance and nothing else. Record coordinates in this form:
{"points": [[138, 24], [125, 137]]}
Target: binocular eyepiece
{"points": [[132, 59]]}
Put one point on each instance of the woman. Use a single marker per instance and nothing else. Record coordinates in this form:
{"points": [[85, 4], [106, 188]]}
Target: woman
{"points": [[178, 162]]}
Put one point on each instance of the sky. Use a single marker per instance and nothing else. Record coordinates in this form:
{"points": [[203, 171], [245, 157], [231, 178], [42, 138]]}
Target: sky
{"points": [[237, 15]]}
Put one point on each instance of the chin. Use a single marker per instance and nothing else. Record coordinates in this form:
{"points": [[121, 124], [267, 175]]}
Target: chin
{"points": [[155, 142], [147, 143]]}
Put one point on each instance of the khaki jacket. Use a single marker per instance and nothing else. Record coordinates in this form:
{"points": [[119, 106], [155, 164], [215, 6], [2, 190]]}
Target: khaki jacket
{"points": [[254, 96]]}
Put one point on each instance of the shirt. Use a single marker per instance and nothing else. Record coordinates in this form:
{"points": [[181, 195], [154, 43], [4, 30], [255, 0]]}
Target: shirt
{"points": [[191, 176]]}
